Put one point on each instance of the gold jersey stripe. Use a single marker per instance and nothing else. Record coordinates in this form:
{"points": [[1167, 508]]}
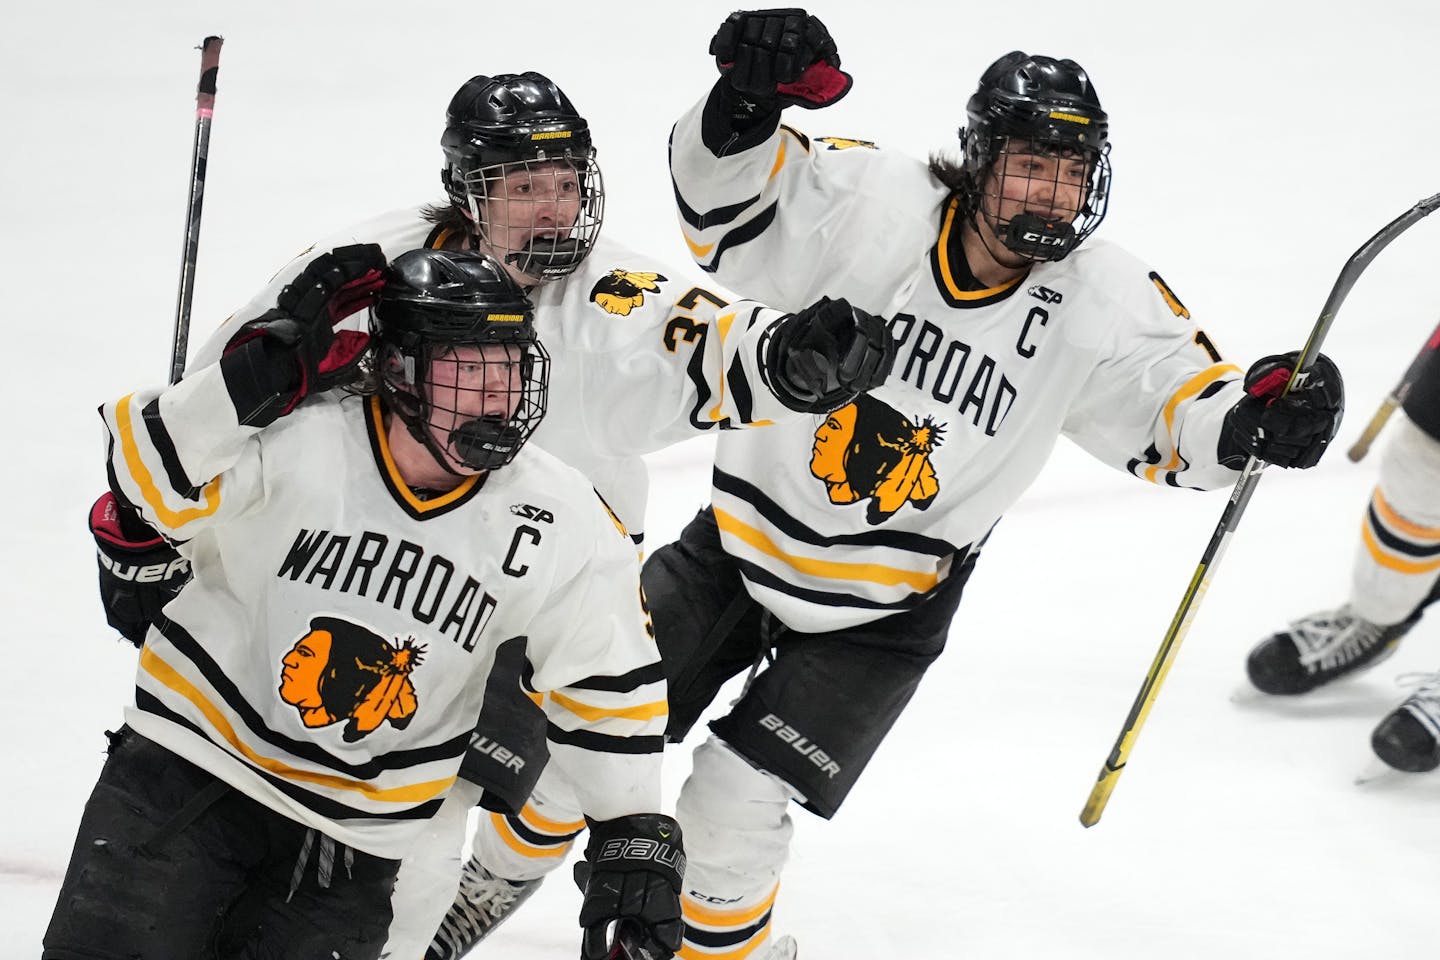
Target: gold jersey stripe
{"points": [[779, 160], [826, 569], [148, 489], [699, 249], [644, 711], [1391, 562], [722, 329], [1192, 387], [545, 825], [515, 842], [410, 794], [1394, 521], [710, 917]]}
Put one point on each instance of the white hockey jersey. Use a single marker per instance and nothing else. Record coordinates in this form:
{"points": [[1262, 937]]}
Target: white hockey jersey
{"points": [[640, 358], [847, 518], [329, 657]]}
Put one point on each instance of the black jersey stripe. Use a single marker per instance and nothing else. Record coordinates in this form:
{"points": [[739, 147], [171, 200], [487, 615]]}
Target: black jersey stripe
{"points": [[824, 598], [742, 234], [323, 806], [795, 530], [1386, 535], [710, 218], [602, 742], [534, 837], [625, 682], [175, 473], [740, 390], [309, 751], [719, 939]]}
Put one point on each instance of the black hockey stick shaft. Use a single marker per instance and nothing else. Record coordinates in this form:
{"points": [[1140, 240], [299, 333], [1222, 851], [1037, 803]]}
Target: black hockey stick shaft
{"points": [[1394, 398], [1230, 519], [204, 111]]}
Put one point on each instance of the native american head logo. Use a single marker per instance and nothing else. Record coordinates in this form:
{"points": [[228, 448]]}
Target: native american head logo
{"points": [[342, 671], [868, 449], [621, 291], [844, 143]]}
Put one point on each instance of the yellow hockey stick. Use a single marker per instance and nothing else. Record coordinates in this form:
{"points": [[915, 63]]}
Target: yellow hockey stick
{"points": [[1394, 399], [1234, 509]]}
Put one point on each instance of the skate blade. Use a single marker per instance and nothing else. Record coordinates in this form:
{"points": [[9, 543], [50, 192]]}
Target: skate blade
{"points": [[1377, 771]]}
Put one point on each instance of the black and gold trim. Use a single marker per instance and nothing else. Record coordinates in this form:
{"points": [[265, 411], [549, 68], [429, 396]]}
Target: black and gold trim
{"points": [[957, 285], [406, 498]]}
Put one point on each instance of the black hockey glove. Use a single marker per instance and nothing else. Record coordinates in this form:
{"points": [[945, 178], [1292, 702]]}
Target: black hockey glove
{"points": [[287, 353], [1288, 431], [776, 58], [631, 878], [140, 571], [819, 359]]}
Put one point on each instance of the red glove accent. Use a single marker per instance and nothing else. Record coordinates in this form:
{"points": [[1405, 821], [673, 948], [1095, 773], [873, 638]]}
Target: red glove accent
{"points": [[1271, 384], [819, 86]]}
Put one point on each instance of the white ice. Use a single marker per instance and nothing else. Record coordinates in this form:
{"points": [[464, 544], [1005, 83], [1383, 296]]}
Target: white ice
{"points": [[1256, 146]]}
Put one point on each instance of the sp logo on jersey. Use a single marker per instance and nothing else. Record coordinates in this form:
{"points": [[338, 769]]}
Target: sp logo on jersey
{"points": [[869, 450], [339, 670], [621, 291]]}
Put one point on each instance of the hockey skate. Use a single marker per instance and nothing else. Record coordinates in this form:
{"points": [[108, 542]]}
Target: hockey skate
{"points": [[1319, 648], [483, 902], [781, 948], [1408, 738]]}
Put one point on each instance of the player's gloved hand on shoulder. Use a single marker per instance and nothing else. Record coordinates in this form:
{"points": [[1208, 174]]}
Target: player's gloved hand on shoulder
{"points": [[779, 58], [631, 880], [1288, 431], [289, 352], [819, 359], [140, 571]]}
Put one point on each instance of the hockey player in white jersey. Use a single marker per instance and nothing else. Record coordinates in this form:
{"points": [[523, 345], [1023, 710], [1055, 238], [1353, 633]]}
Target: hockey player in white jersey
{"points": [[640, 358], [304, 704], [1395, 577], [836, 548]]}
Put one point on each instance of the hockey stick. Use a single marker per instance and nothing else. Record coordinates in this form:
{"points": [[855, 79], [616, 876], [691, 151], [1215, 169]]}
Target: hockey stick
{"points": [[1239, 498], [1394, 399], [204, 110]]}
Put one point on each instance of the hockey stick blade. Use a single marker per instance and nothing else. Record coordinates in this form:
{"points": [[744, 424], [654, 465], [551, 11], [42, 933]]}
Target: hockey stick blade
{"points": [[1234, 509]]}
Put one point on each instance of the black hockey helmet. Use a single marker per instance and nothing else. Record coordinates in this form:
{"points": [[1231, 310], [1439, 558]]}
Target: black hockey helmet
{"points": [[1052, 107], [435, 302], [497, 124]]}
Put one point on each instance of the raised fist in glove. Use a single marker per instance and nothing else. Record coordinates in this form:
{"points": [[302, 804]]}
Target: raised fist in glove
{"points": [[289, 352], [819, 359], [631, 878], [1290, 430], [140, 571], [780, 57]]}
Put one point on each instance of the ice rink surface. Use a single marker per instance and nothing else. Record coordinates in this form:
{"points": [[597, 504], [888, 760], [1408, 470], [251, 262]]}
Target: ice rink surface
{"points": [[1256, 146]]}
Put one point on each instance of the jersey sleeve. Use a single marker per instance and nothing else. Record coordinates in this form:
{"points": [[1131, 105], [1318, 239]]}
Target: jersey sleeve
{"points": [[396, 232], [693, 362], [756, 215], [597, 668], [1156, 401], [181, 456]]}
